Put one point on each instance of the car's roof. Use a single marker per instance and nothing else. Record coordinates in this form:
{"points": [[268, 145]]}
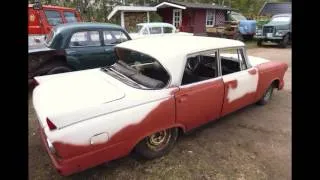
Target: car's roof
{"points": [[171, 50], [156, 24], [84, 25], [159, 46]]}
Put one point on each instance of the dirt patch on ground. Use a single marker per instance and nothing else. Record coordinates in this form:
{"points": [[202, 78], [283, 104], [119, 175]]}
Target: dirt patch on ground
{"points": [[253, 143]]}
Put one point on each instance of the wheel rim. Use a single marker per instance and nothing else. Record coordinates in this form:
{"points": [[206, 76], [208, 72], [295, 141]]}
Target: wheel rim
{"points": [[158, 140]]}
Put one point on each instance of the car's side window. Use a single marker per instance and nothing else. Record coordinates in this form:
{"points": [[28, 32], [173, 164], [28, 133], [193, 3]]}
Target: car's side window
{"points": [[232, 60], [85, 39], [114, 37], [200, 67], [167, 30], [155, 30]]}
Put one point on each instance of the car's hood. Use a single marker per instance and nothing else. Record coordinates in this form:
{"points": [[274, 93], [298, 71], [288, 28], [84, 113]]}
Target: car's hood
{"points": [[68, 98], [254, 61]]}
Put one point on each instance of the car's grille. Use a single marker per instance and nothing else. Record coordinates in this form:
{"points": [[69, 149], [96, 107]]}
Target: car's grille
{"points": [[268, 29]]}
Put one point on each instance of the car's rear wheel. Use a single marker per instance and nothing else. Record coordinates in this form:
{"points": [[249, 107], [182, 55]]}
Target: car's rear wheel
{"points": [[259, 43], [157, 144], [266, 96]]}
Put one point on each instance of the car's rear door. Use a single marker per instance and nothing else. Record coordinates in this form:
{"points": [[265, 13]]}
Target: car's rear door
{"points": [[199, 100], [85, 49], [112, 37]]}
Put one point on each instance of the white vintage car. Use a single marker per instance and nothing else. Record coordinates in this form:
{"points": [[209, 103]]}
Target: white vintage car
{"points": [[155, 29], [158, 87]]}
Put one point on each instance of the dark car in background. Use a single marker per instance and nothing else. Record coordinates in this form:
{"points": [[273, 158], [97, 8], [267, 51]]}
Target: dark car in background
{"points": [[277, 30], [75, 46]]}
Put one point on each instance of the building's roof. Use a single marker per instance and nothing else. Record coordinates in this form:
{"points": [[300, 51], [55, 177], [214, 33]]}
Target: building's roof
{"points": [[171, 51], [87, 25], [273, 8], [184, 5], [130, 9]]}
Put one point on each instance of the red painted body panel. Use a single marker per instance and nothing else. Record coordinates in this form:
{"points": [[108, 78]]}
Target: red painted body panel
{"points": [[200, 103], [37, 21], [268, 73]]}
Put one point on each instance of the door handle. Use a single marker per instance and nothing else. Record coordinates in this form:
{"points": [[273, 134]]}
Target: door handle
{"points": [[183, 98]]}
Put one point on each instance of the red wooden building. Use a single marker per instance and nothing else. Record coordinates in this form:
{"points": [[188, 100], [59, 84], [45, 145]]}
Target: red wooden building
{"points": [[192, 17]]}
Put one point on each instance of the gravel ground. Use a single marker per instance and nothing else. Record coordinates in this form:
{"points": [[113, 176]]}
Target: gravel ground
{"points": [[252, 143]]}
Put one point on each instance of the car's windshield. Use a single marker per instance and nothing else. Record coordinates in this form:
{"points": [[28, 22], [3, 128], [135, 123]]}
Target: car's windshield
{"points": [[281, 19], [138, 28], [237, 17], [138, 70], [70, 17], [53, 17]]}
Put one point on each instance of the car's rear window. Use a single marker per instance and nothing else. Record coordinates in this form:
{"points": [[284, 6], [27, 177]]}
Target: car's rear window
{"points": [[70, 17], [53, 17]]}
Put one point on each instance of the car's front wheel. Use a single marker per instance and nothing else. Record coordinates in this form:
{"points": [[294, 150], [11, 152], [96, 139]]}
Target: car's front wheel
{"points": [[266, 96], [157, 144], [285, 41]]}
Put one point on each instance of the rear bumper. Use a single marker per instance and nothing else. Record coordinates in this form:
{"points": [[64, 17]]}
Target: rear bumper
{"points": [[66, 167]]}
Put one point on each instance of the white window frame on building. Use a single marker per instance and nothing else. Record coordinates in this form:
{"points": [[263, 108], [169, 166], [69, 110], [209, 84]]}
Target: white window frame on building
{"points": [[211, 12], [174, 22]]}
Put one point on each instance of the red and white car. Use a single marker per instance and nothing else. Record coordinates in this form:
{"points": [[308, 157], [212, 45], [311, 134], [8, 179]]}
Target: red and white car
{"points": [[158, 87]]}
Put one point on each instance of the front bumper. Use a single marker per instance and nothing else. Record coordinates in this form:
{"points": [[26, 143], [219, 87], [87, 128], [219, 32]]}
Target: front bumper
{"points": [[268, 38]]}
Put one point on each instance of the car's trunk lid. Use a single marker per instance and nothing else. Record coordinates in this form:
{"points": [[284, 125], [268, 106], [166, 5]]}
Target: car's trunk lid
{"points": [[72, 92]]}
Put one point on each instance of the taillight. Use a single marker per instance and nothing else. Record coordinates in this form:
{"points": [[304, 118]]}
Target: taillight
{"points": [[34, 83], [51, 125]]}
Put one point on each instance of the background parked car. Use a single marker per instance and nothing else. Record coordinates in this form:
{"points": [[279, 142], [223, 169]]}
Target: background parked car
{"points": [[41, 19], [277, 30], [75, 46], [246, 28], [155, 28]]}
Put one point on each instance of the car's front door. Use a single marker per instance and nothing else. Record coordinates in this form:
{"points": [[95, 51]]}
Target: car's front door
{"points": [[200, 96], [240, 81], [85, 50]]}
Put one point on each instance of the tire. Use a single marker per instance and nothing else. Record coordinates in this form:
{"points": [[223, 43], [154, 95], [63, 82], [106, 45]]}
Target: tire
{"points": [[239, 37], [150, 148], [266, 96], [259, 43], [285, 41], [59, 69]]}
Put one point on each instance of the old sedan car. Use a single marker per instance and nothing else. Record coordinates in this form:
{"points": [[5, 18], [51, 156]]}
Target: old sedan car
{"points": [[158, 87], [75, 46], [155, 29]]}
